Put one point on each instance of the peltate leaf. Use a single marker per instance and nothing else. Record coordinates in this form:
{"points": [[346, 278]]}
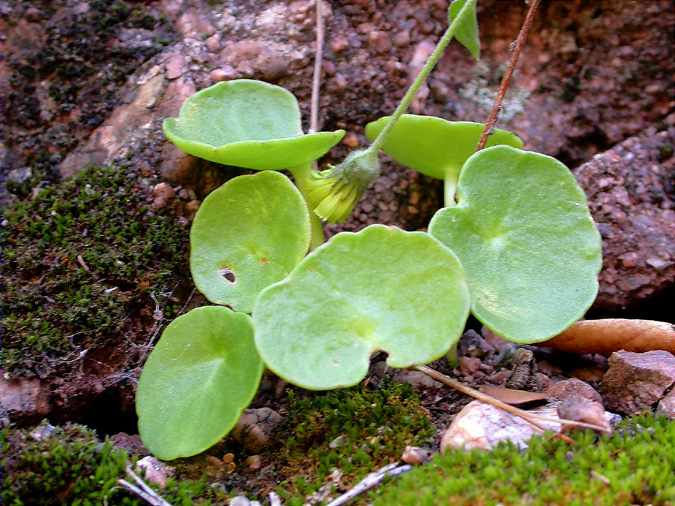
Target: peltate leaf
{"points": [[201, 375], [526, 239], [249, 233], [434, 146], [467, 29], [249, 124], [379, 289]]}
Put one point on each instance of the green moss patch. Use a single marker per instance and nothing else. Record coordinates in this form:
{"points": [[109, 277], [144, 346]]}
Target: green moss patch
{"points": [[634, 466], [355, 430], [70, 466], [82, 261]]}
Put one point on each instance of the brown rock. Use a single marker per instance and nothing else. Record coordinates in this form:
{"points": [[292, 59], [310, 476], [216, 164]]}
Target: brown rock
{"points": [[583, 410], [415, 456], [130, 442], [254, 429], [225, 73], [630, 200], [24, 400], [379, 41], [175, 66], [253, 462], [635, 382], [469, 365], [163, 193], [573, 389], [666, 405], [416, 379]]}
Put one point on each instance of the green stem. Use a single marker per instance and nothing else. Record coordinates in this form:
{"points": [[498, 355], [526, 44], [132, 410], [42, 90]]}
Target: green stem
{"points": [[421, 77], [302, 174], [449, 188], [453, 356]]}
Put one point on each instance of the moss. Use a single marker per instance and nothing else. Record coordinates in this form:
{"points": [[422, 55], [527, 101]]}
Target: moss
{"points": [[80, 259], [70, 466], [634, 466], [355, 430]]}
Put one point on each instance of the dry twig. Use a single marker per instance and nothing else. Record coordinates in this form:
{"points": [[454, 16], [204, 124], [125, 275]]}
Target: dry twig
{"points": [[613, 334], [371, 481], [506, 80], [142, 489], [530, 418]]}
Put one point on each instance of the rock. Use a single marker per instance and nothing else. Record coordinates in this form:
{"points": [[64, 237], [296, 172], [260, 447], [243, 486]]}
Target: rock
{"points": [[24, 400], [666, 406], [482, 426], [155, 471], [20, 175], [254, 429], [632, 202], [253, 462], [583, 410], [163, 193], [472, 344], [573, 389], [379, 41], [469, 365], [415, 456], [42, 432], [338, 442], [130, 442], [635, 382], [416, 379], [224, 73], [175, 66]]}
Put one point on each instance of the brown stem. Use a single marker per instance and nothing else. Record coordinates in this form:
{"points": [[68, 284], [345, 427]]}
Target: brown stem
{"points": [[530, 418], [316, 78], [506, 80]]}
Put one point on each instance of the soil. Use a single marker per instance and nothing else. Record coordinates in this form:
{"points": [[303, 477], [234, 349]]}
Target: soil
{"points": [[88, 83]]}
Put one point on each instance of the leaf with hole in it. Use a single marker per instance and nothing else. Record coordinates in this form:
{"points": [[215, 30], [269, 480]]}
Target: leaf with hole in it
{"points": [[201, 375], [467, 30], [249, 124], [379, 289], [526, 239], [249, 233], [434, 146]]}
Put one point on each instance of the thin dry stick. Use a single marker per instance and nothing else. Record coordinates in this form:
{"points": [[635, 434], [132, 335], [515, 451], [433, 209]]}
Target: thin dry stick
{"points": [[316, 78], [370, 481], [506, 80], [531, 418], [142, 490]]}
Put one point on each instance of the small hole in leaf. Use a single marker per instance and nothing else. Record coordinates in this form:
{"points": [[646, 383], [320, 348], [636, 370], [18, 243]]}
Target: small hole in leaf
{"points": [[228, 275]]}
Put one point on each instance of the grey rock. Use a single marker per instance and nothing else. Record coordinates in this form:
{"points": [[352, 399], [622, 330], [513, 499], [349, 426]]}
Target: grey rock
{"points": [[635, 382]]}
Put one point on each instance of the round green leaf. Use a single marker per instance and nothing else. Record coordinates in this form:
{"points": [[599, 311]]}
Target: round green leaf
{"points": [[526, 240], [379, 289], [201, 375], [434, 146], [249, 233], [249, 124]]}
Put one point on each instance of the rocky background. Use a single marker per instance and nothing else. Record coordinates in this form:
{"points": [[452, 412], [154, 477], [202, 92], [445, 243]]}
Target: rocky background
{"points": [[87, 83]]}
